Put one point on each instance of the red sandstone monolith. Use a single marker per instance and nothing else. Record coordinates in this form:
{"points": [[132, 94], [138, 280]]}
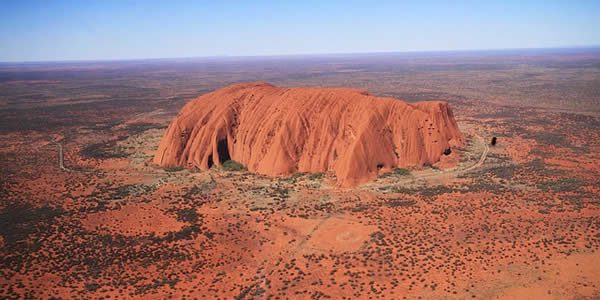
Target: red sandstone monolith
{"points": [[278, 131]]}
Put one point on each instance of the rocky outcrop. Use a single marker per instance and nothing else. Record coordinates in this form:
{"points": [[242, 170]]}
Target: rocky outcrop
{"points": [[278, 131]]}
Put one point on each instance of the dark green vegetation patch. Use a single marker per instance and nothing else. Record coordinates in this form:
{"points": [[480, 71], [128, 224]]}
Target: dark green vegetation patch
{"points": [[561, 185], [396, 172], [233, 166], [103, 150], [400, 203], [172, 169], [19, 221], [136, 128]]}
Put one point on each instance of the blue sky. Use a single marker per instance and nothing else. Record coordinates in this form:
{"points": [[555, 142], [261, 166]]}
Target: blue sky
{"points": [[88, 29]]}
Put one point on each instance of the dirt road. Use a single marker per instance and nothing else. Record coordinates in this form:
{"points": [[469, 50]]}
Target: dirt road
{"points": [[61, 158], [476, 165]]}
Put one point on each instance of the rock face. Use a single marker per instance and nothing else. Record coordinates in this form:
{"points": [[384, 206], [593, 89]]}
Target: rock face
{"points": [[278, 131]]}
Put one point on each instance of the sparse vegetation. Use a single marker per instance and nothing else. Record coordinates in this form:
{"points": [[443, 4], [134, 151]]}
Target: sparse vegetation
{"points": [[103, 150], [400, 203], [315, 176], [396, 172], [92, 286], [187, 215], [172, 169], [561, 185], [294, 177], [256, 236], [233, 166], [18, 221], [129, 190], [201, 189], [136, 128]]}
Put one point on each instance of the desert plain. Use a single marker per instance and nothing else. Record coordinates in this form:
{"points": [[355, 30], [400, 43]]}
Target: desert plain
{"points": [[86, 213]]}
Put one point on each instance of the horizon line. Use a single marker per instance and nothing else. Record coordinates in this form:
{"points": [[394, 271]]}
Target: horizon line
{"points": [[299, 55]]}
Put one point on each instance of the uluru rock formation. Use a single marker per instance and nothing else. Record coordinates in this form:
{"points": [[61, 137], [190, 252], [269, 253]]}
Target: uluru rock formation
{"points": [[278, 131]]}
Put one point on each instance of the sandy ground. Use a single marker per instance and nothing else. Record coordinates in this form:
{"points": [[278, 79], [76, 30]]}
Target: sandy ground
{"points": [[522, 225]]}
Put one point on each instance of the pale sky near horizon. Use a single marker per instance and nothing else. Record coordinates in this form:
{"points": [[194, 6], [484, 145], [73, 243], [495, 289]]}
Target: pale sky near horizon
{"points": [[104, 30]]}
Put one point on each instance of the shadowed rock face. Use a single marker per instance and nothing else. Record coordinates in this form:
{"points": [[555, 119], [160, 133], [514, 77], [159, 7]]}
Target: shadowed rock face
{"points": [[278, 131]]}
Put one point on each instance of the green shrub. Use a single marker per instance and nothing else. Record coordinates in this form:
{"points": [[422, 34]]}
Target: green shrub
{"points": [[103, 150], [293, 178], [187, 215], [316, 176], [136, 128], [173, 168], [92, 286], [401, 203], [431, 191], [396, 172], [232, 165], [202, 188], [561, 185]]}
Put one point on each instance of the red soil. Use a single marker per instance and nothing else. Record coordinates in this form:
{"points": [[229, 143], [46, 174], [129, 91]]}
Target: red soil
{"points": [[518, 148], [131, 220], [278, 131]]}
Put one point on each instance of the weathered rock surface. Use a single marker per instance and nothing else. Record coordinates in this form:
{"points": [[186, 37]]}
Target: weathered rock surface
{"points": [[278, 131]]}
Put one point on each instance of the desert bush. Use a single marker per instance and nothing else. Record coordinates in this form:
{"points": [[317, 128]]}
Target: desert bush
{"points": [[233, 166], [316, 176], [561, 185], [130, 190], [174, 168], [19, 221], [504, 171], [486, 185], [201, 188], [435, 190], [280, 192], [400, 203], [550, 138], [92, 286], [397, 190], [103, 151], [378, 238], [294, 177], [544, 211], [187, 215], [396, 172], [186, 233], [136, 128]]}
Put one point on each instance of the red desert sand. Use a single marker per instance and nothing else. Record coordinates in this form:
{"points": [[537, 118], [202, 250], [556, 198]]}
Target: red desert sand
{"points": [[277, 131]]}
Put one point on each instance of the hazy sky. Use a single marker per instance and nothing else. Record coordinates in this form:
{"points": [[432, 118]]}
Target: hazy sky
{"points": [[85, 29]]}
